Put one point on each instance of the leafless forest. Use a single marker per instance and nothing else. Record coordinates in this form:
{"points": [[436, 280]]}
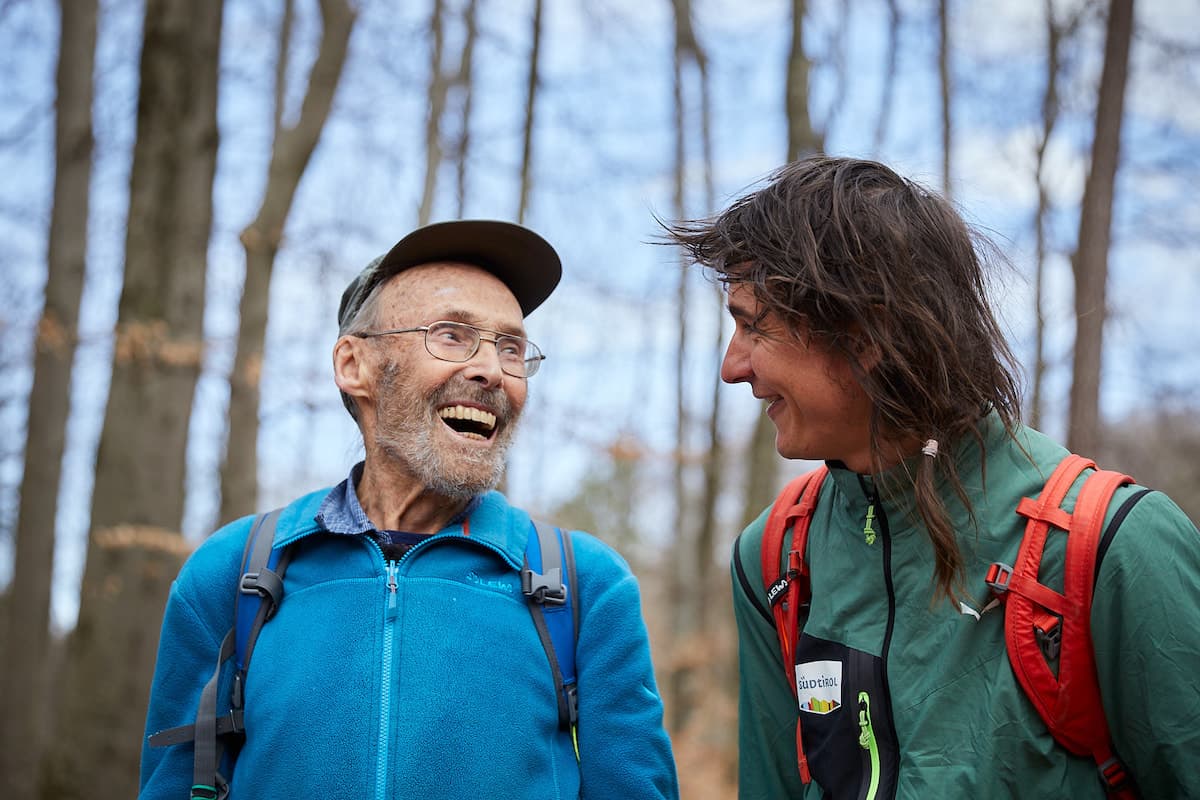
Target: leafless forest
{"points": [[189, 185]]}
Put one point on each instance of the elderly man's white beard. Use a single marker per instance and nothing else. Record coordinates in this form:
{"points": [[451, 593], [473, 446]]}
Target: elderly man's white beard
{"points": [[407, 431]]}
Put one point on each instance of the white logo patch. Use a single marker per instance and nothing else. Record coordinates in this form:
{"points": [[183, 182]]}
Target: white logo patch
{"points": [[819, 686]]}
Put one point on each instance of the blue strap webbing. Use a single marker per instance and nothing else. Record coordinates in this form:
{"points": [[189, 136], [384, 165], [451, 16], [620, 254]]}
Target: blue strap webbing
{"points": [[561, 617]]}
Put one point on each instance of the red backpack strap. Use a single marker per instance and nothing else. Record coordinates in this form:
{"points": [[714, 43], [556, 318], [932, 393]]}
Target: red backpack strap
{"points": [[788, 589], [1068, 703]]}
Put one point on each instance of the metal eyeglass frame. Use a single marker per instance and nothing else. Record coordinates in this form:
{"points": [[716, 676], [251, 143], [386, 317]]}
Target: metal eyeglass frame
{"points": [[532, 362]]}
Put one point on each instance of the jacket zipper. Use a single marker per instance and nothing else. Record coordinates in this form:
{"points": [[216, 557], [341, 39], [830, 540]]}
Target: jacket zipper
{"points": [[877, 513], [389, 618], [391, 611], [866, 740], [385, 707]]}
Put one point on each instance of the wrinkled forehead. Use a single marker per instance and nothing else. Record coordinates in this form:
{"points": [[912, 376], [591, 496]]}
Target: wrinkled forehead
{"points": [[451, 290]]}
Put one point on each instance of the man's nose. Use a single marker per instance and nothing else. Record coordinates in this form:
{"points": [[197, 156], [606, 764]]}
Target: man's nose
{"points": [[484, 366], [735, 367]]}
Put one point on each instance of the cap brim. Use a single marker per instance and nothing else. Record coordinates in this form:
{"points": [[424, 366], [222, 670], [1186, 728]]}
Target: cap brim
{"points": [[525, 261]]}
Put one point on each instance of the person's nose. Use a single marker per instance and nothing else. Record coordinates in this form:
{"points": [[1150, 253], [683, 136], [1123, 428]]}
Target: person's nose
{"points": [[735, 367], [484, 366]]}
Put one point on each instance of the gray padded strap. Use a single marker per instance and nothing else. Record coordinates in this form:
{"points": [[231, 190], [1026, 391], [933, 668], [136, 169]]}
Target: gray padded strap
{"points": [[204, 767]]}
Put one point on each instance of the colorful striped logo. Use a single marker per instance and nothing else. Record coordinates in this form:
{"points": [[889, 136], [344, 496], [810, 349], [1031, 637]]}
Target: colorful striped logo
{"points": [[819, 686], [820, 706]]}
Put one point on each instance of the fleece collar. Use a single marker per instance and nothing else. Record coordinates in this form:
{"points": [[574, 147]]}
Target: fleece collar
{"points": [[489, 518]]}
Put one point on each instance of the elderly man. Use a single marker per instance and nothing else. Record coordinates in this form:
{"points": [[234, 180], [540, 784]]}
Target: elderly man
{"points": [[403, 660]]}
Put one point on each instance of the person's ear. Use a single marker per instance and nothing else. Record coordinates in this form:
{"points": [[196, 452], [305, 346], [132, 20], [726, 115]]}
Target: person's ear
{"points": [[352, 368], [864, 349], [867, 352]]}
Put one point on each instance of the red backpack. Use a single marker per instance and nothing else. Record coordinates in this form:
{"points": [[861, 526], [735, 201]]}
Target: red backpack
{"points": [[1034, 615]]}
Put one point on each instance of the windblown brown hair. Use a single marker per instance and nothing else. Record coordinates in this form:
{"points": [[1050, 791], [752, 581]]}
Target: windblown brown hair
{"points": [[849, 252]]}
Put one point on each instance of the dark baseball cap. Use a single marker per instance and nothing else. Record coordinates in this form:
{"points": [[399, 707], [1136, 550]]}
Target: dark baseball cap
{"points": [[526, 262]]}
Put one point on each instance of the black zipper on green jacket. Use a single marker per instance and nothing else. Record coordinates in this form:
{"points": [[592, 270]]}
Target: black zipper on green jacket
{"points": [[885, 533]]}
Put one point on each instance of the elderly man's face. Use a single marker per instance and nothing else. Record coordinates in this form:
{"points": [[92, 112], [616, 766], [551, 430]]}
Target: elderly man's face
{"points": [[449, 424]]}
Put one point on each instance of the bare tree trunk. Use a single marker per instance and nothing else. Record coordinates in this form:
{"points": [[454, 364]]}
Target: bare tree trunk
{"points": [[714, 459], [24, 673], [465, 85], [135, 548], [535, 48], [694, 671], [438, 89], [682, 565], [1095, 230], [722, 663], [1049, 117], [889, 74], [802, 138], [293, 147], [762, 460], [281, 64], [944, 82]]}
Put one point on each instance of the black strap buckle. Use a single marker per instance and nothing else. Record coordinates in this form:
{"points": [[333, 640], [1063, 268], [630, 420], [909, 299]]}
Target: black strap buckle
{"points": [[547, 589], [267, 584], [572, 693], [231, 723], [1049, 640]]}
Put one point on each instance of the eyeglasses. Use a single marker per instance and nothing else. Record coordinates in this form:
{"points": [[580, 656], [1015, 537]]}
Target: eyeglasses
{"points": [[458, 342]]}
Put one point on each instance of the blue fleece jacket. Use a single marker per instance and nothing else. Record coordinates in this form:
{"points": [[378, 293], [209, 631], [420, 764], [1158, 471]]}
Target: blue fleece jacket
{"points": [[432, 684]]}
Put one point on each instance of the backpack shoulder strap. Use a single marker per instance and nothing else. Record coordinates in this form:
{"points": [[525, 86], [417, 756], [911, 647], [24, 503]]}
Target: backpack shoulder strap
{"points": [[1040, 622], [788, 588], [260, 590], [548, 580]]}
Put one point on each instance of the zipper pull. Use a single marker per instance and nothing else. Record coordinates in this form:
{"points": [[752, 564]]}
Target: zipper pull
{"points": [[866, 740], [866, 735], [392, 569], [869, 528]]}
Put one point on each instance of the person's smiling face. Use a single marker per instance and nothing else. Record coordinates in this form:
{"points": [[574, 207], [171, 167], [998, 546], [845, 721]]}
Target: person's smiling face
{"points": [[449, 424], [820, 411]]}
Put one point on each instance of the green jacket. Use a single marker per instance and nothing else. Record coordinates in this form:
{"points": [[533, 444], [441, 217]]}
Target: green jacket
{"points": [[944, 710]]}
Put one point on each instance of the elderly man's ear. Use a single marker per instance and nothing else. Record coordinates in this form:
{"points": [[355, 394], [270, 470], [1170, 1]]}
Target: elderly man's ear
{"points": [[352, 367]]}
